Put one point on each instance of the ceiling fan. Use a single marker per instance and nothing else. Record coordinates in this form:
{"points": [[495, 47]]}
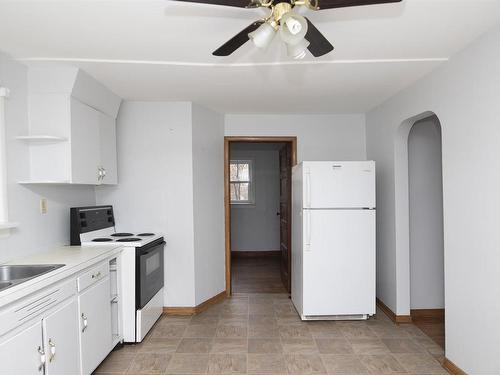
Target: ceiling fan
{"points": [[298, 33]]}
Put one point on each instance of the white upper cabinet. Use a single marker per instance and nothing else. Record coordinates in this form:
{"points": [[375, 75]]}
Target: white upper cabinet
{"points": [[72, 136]]}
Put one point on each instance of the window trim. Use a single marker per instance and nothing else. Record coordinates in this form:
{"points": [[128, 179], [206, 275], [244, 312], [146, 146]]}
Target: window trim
{"points": [[251, 182]]}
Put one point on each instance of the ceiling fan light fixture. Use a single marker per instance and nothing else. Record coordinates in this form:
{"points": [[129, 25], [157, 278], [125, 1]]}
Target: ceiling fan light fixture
{"points": [[263, 36], [297, 51], [293, 28]]}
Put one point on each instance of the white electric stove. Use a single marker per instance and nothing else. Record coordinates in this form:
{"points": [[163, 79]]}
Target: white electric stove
{"points": [[142, 263]]}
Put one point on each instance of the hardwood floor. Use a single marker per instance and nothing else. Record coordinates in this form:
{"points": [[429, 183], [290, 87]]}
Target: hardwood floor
{"points": [[433, 329], [256, 275]]}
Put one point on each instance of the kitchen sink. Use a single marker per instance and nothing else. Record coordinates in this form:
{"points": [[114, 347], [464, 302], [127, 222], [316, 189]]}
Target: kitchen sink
{"points": [[11, 275]]}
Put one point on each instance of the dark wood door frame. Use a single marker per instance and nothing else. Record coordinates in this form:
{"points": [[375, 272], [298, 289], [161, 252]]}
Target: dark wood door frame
{"points": [[227, 199]]}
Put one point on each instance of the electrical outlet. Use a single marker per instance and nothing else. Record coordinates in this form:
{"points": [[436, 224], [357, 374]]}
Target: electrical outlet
{"points": [[43, 206]]}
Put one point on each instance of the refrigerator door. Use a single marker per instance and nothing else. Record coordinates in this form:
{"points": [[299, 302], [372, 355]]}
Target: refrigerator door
{"points": [[338, 262], [339, 184]]}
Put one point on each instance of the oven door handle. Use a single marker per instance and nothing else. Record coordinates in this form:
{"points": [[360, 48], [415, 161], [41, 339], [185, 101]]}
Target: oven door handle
{"points": [[148, 251]]}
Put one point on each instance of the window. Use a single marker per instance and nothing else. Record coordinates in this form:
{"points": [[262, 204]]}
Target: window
{"points": [[241, 182]]}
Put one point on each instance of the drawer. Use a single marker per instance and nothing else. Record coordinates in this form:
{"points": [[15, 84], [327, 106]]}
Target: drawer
{"points": [[92, 276], [33, 306]]}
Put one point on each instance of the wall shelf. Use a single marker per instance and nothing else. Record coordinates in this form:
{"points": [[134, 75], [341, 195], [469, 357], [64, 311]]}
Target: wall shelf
{"points": [[41, 138]]}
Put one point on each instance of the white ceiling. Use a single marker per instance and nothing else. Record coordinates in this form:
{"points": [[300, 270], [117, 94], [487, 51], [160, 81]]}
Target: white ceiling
{"points": [[161, 50]]}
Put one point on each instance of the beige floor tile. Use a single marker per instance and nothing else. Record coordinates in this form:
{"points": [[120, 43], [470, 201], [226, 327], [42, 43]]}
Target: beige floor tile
{"points": [[159, 345], [420, 363], [265, 346], [262, 320], [299, 346], [150, 363], [388, 330], [263, 331], [343, 364], [369, 346], [169, 331], [294, 332], [232, 331], [402, 346], [325, 330], [116, 362], [223, 345], [227, 364], [304, 364], [382, 364], [233, 319], [358, 331], [266, 364], [201, 330], [198, 345], [334, 346], [188, 364]]}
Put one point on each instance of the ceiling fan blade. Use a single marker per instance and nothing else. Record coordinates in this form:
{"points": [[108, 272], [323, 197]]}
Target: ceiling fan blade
{"points": [[330, 4], [229, 3], [237, 41], [319, 45]]}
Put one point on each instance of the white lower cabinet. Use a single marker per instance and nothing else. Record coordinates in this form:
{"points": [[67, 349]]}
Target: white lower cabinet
{"points": [[22, 353], [60, 336], [94, 310]]}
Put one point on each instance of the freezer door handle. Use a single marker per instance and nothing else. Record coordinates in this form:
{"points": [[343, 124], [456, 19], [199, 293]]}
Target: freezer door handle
{"points": [[308, 188], [307, 221]]}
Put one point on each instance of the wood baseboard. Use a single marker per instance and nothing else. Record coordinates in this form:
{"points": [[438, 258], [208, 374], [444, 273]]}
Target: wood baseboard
{"points": [[398, 319], [452, 368], [186, 311], [427, 315], [255, 254]]}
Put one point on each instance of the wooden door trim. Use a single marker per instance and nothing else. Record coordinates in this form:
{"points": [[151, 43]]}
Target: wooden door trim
{"points": [[227, 202]]}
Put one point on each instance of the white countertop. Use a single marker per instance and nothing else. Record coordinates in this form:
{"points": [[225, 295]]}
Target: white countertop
{"points": [[74, 258]]}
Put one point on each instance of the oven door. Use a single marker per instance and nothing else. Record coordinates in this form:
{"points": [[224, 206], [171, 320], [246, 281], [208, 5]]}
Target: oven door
{"points": [[150, 274]]}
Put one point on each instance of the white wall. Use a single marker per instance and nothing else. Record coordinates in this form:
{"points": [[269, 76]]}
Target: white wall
{"points": [[155, 190], [426, 215], [256, 227], [208, 193], [464, 95], [320, 137], [171, 181], [36, 232]]}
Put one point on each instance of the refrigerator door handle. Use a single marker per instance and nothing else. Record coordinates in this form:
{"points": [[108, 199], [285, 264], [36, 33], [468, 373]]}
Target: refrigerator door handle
{"points": [[307, 213], [308, 188]]}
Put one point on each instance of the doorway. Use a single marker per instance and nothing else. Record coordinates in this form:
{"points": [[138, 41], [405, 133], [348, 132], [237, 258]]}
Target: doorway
{"points": [[257, 174], [425, 188]]}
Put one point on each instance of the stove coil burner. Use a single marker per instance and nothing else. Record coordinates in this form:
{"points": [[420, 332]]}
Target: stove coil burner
{"points": [[102, 240], [122, 235], [145, 234], [131, 239]]}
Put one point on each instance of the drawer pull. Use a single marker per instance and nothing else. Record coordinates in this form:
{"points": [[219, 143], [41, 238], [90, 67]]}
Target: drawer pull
{"points": [[96, 275], [52, 348], [42, 358], [85, 323]]}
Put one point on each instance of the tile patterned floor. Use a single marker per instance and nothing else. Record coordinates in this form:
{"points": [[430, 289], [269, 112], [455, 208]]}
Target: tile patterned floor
{"points": [[262, 334]]}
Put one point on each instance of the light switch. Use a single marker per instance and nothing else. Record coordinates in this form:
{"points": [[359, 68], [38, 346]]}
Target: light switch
{"points": [[43, 206]]}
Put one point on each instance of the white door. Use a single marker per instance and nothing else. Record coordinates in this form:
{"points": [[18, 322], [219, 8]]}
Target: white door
{"points": [[85, 145], [339, 184], [21, 353], [339, 262], [107, 128], [60, 336], [95, 325]]}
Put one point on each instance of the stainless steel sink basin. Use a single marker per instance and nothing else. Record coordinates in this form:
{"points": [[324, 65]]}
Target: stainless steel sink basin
{"points": [[11, 275]]}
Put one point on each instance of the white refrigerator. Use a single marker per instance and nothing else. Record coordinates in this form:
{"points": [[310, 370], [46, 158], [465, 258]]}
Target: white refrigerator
{"points": [[333, 240]]}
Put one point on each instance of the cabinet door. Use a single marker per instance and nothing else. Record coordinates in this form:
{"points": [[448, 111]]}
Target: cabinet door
{"points": [[85, 144], [95, 325], [107, 129], [20, 353], [60, 336]]}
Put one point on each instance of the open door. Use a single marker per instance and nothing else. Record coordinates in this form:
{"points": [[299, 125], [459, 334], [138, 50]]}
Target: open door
{"points": [[285, 214]]}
